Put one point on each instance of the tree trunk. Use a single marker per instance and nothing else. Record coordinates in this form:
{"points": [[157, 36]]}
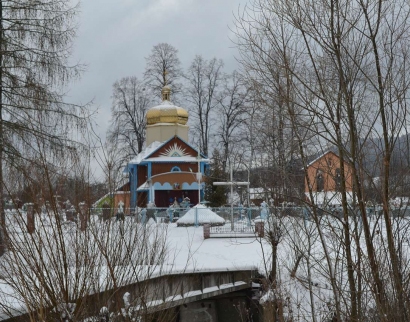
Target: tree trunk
{"points": [[2, 213]]}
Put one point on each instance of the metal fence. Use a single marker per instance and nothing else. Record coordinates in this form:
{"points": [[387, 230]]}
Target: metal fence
{"points": [[223, 220]]}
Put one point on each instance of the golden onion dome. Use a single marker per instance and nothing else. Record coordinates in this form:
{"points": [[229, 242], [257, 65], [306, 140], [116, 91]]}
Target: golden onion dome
{"points": [[167, 112]]}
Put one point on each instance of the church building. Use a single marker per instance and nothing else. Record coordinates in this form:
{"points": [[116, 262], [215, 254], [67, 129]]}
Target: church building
{"points": [[169, 169], [324, 179]]}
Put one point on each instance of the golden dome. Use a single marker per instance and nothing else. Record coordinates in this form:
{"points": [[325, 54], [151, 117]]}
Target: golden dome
{"points": [[167, 112]]}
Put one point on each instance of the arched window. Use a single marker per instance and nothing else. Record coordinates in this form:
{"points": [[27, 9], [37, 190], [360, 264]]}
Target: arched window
{"points": [[338, 179], [175, 169], [320, 182]]}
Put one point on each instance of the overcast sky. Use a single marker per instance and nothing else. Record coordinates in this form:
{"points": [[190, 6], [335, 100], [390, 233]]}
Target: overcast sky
{"points": [[115, 36]]}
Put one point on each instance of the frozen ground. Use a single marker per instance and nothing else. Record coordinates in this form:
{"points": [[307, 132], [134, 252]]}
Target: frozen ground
{"points": [[213, 253], [186, 250]]}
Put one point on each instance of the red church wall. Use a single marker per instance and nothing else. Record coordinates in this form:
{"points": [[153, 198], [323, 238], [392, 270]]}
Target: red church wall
{"points": [[158, 168], [163, 198], [187, 149], [175, 177], [327, 166], [125, 197], [142, 174]]}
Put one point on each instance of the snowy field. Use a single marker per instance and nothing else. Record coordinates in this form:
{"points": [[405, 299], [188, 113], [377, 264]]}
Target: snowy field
{"points": [[310, 258]]}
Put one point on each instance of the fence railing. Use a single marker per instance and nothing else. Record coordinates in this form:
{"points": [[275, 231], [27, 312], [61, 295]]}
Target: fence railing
{"points": [[240, 220]]}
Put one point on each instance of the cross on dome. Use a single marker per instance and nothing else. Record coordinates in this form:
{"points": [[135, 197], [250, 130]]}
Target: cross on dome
{"points": [[166, 90], [166, 93]]}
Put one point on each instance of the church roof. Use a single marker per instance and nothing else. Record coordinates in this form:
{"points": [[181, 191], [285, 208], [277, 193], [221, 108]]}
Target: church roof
{"points": [[174, 153], [316, 158], [146, 152], [166, 112]]}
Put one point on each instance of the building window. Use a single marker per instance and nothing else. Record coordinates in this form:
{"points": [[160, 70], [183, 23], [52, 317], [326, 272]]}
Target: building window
{"points": [[338, 179], [320, 182], [175, 169]]}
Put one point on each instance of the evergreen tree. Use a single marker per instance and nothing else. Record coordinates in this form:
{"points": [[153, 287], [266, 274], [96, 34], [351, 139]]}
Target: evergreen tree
{"points": [[216, 195]]}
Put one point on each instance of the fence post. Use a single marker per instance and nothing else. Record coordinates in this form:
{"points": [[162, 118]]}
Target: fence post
{"points": [[207, 231], [260, 228], [31, 224], [83, 216], [106, 211], [71, 214]]}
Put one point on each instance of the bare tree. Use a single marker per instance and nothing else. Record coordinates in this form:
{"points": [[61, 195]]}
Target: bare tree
{"points": [[35, 39], [163, 68], [60, 272], [111, 160], [204, 80], [130, 103], [232, 103], [343, 64], [75, 264]]}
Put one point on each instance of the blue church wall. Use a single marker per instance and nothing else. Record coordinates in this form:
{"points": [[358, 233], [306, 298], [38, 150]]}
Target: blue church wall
{"points": [[149, 170], [133, 184]]}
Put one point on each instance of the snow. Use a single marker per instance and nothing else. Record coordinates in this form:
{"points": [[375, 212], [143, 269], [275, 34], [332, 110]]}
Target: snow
{"points": [[192, 293], [210, 289], [224, 286], [329, 198], [126, 299], [144, 186], [200, 215], [189, 252], [146, 152], [212, 255], [269, 296], [143, 156], [165, 105], [176, 159]]}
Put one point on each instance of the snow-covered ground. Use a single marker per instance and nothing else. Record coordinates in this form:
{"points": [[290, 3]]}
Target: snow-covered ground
{"points": [[213, 253], [199, 215], [173, 249]]}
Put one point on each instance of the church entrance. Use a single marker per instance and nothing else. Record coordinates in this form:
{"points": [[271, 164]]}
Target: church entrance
{"points": [[163, 198]]}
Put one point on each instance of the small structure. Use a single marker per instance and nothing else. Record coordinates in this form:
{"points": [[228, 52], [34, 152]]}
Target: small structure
{"points": [[121, 194], [200, 215]]}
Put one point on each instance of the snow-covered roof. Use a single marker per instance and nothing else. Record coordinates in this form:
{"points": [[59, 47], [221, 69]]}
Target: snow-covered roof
{"points": [[143, 187], [146, 152], [319, 157], [205, 215], [150, 149], [164, 105], [116, 191], [176, 159]]}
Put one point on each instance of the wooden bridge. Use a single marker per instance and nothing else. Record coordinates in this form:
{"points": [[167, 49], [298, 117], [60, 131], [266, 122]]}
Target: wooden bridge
{"points": [[183, 296]]}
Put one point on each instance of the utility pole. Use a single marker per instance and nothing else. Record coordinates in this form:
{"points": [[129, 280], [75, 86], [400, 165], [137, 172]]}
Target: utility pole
{"points": [[231, 183]]}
